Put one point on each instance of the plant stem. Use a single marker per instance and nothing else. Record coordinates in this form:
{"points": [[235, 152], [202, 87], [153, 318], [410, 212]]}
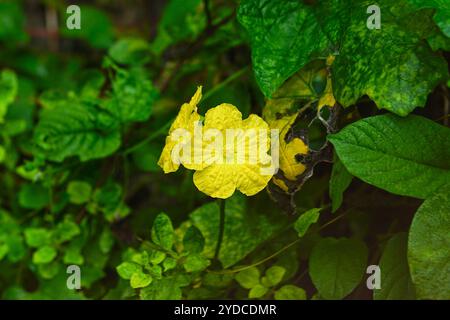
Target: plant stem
{"points": [[161, 131], [231, 78], [221, 229]]}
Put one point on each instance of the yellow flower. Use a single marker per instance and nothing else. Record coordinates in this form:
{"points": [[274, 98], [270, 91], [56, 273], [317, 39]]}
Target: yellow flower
{"points": [[186, 119], [220, 179]]}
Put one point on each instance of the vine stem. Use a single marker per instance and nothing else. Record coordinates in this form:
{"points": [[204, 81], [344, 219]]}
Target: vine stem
{"points": [[221, 229], [161, 131]]}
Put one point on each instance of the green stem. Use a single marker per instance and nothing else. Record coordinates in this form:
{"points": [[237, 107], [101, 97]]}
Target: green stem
{"points": [[161, 131], [221, 229], [231, 78]]}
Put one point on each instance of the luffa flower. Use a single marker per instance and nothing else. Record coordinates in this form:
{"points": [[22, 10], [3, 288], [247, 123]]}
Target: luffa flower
{"points": [[248, 171]]}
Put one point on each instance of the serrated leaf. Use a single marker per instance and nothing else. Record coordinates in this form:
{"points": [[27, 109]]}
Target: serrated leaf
{"points": [[396, 283], [339, 182], [132, 96], [140, 279], [406, 156], [127, 269], [162, 231], [248, 278], [428, 247], [290, 292], [337, 266], [76, 130]]}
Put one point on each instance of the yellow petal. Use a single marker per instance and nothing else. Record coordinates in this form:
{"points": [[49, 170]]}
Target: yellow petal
{"points": [[288, 164], [224, 116], [281, 184]]}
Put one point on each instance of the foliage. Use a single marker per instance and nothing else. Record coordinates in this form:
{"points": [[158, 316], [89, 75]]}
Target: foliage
{"points": [[87, 122]]}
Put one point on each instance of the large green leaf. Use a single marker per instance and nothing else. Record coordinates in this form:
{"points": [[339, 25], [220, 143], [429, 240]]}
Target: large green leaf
{"points": [[283, 36], [397, 70], [337, 266], [429, 247], [406, 156], [76, 130], [442, 16], [396, 281]]}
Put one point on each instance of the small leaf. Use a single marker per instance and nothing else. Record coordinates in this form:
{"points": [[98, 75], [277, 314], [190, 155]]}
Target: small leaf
{"points": [[37, 237], [290, 292], [140, 279], [308, 218], [130, 51], [79, 192], [65, 231], [337, 266], [127, 269], [8, 91], [257, 291], [162, 231], [44, 254], [169, 264], [248, 278], [273, 276]]}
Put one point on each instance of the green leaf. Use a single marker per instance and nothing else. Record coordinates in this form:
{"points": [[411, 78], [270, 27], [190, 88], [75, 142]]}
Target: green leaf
{"points": [[37, 237], [396, 283], [428, 247], [337, 266], [193, 240], [106, 241], [79, 192], [406, 156], [339, 182], [96, 27], [130, 51], [65, 231], [442, 15], [8, 90], [44, 254], [167, 288], [285, 36], [127, 269], [169, 264], [72, 255], [195, 263], [140, 279], [132, 96], [248, 278], [273, 276], [33, 196], [76, 130], [162, 231], [290, 292], [306, 219], [257, 291]]}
